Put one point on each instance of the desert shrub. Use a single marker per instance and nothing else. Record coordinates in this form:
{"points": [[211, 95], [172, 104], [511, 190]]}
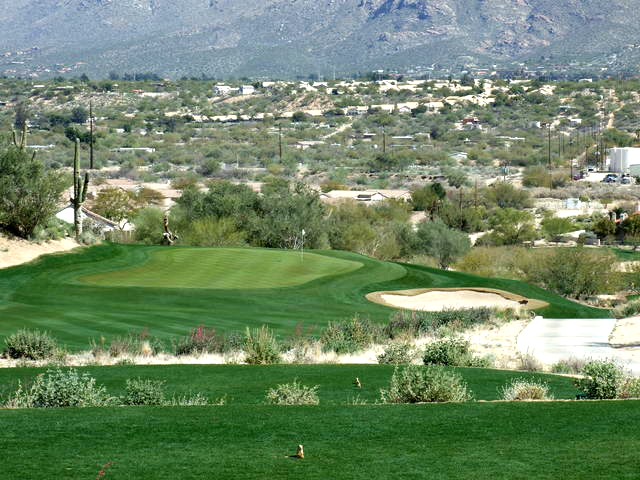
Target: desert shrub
{"points": [[144, 392], [448, 351], [630, 388], [601, 379], [261, 346], [528, 362], [417, 384], [30, 344], [570, 365], [521, 389], [61, 388], [627, 309], [350, 336], [397, 353], [415, 324], [134, 344], [202, 340], [195, 400], [88, 238], [293, 393]]}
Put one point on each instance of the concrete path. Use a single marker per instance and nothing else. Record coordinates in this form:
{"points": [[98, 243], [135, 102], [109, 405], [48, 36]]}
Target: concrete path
{"points": [[551, 340]]}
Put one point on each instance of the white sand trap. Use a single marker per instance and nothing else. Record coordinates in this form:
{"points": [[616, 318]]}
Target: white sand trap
{"points": [[441, 299]]}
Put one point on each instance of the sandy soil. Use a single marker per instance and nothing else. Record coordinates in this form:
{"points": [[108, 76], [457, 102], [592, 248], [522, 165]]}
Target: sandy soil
{"points": [[497, 341], [626, 336], [434, 300], [17, 251]]}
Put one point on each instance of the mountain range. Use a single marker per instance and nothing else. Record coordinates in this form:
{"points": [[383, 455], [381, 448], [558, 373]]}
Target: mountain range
{"points": [[280, 38]]}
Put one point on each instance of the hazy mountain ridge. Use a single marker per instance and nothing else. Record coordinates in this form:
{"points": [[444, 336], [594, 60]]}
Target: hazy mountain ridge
{"points": [[272, 37]]}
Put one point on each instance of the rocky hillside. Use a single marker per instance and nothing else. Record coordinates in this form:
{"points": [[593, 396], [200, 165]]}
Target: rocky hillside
{"points": [[289, 37]]}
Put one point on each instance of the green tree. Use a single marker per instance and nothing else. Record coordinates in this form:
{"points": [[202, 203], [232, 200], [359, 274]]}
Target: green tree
{"points": [[428, 198], [79, 115], [441, 242], [115, 204], [572, 272], [630, 226], [282, 214], [511, 227], [505, 195], [29, 195], [456, 178], [553, 227], [604, 227]]}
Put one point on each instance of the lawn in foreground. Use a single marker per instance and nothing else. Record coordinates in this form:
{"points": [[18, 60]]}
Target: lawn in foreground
{"points": [[475, 440], [247, 384], [53, 294]]}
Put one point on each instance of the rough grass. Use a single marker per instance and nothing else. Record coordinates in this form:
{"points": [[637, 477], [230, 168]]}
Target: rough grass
{"points": [[247, 384], [51, 295]]}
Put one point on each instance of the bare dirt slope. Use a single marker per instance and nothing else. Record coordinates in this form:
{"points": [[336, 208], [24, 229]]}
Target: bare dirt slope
{"points": [[14, 251]]}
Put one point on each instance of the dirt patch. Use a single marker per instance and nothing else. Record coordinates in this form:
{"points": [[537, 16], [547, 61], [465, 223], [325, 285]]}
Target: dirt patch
{"points": [[437, 299], [15, 251]]}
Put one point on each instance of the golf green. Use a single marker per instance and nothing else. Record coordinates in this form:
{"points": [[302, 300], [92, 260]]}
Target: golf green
{"points": [[111, 290], [224, 268]]}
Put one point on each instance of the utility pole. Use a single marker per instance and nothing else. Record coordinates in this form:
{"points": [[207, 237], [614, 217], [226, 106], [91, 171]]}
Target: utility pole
{"points": [[384, 141], [550, 176], [280, 142], [91, 134], [475, 194]]}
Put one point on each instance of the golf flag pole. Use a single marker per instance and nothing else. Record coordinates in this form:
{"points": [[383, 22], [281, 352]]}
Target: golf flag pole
{"points": [[302, 247]]}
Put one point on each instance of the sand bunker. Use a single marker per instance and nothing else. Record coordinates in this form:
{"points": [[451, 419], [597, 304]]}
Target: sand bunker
{"points": [[434, 300]]}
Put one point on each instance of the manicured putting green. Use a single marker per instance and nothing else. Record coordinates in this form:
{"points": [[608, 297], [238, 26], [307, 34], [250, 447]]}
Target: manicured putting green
{"points": [[224, 268]]}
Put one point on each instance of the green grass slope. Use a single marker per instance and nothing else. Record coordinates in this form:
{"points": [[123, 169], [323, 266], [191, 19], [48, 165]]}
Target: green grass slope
{"points": [[247, 384], [441, 441], [54, 294]]}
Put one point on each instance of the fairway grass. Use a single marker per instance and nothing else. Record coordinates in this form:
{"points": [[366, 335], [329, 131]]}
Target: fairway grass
{"points": [[258, 287], [438, 441], [224, 268]]}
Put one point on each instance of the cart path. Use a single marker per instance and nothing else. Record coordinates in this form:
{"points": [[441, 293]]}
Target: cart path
{"points": [[554, 339]]}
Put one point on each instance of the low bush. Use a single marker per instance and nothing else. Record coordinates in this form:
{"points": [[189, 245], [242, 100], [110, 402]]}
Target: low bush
{"points": [[570, 365], [602, 379], [520, 389], [144, 392], [134, 344], [630, 388], [30, 344], [627, 309], [528, 362], [196, 400], [448, 351], [351, 336], [417, 384], [202, 340], [261, 347], [293, 394], [60, 388], [415, 324], [396, 354]]}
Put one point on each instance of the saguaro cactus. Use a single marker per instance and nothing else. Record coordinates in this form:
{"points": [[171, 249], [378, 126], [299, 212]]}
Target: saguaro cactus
{"points": [[79, 190], [23, 137]]}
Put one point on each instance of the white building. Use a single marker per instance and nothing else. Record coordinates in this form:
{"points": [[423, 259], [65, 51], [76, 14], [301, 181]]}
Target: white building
{"points": [[247, 90], [621, 159]]}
